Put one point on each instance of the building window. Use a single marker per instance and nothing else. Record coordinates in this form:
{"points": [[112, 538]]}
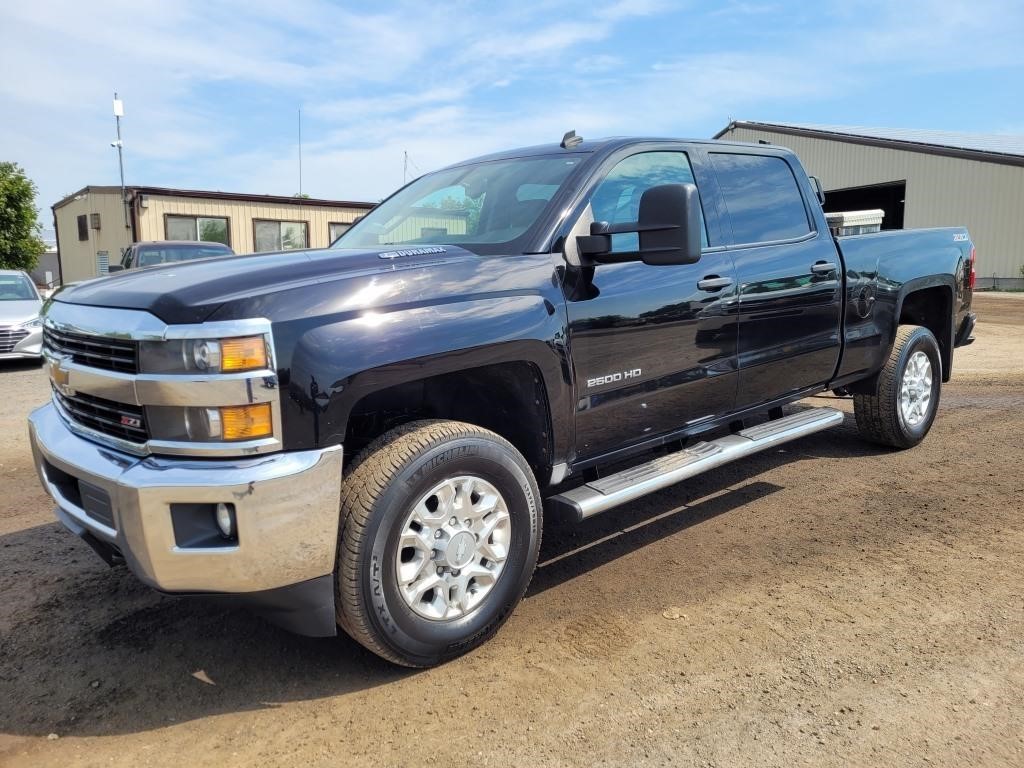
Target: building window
{"points": [[336, 230], [208, 229], [83, 227], [279, 235]]}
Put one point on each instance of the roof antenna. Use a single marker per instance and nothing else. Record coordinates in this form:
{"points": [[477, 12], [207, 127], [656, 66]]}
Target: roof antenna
{"points": [[570, 140]]}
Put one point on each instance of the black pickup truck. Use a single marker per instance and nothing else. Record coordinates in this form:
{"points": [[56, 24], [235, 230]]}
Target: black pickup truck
{"points": [[367, 436]]}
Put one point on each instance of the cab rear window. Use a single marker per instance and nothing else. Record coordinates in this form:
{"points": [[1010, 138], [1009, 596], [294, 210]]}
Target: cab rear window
{"points": [[762, 198]]}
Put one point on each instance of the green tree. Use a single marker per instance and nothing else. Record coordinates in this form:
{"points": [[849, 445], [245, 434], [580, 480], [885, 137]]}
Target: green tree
{"points": [[20, 244], [470, 205]]}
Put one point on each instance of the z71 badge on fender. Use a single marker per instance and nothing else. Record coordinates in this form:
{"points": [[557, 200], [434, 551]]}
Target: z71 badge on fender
{"points": [[611, 378]]}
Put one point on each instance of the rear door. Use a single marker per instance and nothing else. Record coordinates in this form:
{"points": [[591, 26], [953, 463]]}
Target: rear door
{"points": [[654, 348], [790, 297]]}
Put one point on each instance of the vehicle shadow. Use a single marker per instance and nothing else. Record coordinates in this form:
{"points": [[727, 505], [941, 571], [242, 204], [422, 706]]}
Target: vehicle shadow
{"points": [[86, 650], [571, 548], [19, 364], [89, 650]]}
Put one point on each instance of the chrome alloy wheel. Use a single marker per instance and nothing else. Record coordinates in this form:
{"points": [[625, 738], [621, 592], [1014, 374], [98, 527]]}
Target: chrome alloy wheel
{"points": [[916, 389], [453, 547]]}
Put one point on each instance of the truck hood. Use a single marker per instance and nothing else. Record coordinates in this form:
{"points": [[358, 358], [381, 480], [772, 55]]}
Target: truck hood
{"points": [[190, 292]]}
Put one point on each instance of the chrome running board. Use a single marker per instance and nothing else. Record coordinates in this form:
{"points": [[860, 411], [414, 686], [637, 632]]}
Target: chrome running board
{"points": [[630, 484]]}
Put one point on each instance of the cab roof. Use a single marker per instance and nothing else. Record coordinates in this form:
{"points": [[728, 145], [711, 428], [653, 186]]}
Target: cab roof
{"points": [[605, 146]]}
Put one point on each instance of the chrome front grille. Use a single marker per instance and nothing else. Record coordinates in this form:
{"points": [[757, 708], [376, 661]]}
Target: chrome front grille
{"points": [[104, 352], [9, 338], [94, 361], [120, 420]]}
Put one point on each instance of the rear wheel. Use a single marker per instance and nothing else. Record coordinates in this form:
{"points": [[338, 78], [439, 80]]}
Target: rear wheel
{"points": [[441, 525], [902, 409]]}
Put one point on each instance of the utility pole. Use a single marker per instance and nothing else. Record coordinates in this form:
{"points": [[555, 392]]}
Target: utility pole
{"points": [[300, 152], [118, 114], [405, 167]]}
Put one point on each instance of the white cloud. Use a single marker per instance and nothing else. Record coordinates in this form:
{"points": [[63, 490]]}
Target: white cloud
{"points": [[442, 82], [625, 9], [598, 63]]}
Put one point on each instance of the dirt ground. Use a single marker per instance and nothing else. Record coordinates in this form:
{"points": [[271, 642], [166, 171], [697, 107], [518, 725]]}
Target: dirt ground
{"points": [[830, 603]]}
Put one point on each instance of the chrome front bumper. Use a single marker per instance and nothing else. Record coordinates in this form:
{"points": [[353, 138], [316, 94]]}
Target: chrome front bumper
{"points": [[286, 507]]}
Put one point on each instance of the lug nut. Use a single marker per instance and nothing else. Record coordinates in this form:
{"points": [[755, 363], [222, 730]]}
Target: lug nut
{"points": [[467, 523], [440, 571], [438, 534], [455, 572], [454, 521]]}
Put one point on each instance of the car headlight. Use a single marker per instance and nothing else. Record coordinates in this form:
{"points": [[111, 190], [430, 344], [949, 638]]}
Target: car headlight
{"points": [[234, 355], [35, 322], [228, 423]]}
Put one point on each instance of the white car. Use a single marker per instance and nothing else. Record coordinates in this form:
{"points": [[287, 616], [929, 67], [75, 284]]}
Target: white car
{"points": [[21, 330]]}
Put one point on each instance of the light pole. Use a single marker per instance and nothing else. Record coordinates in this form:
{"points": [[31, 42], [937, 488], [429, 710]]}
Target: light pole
{"points": [[118, 114]]}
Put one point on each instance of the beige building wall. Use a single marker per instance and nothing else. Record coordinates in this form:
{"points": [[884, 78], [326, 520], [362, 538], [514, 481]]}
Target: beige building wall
{"points": [[241, 215], [79, 258], [987, 198], [452, 222]]}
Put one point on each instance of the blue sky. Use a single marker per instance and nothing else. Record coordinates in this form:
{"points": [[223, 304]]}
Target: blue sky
{"points": [[212, 89]]}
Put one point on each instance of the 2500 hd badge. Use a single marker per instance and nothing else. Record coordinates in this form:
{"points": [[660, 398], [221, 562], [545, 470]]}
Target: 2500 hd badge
{"points": [[611, 378]]}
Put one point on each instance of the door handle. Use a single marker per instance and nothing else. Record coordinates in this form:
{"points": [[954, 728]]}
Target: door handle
{"points": [[714, 283], [823, 267]]}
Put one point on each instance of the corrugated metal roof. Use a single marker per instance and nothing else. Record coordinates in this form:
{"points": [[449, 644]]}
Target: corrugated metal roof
{"points": [[922, 140]]}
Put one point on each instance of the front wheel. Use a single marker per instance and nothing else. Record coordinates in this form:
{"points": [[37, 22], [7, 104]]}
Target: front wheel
{"points": [[902, 409], [440, 533]]}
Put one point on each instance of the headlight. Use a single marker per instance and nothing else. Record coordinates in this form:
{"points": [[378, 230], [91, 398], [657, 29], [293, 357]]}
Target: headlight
{"points": [[35, 322], [211, 425], [235, 355]]}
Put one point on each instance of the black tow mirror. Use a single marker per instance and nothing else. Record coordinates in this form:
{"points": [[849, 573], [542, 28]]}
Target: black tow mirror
{"points": [[112, 268], [669, 227]]}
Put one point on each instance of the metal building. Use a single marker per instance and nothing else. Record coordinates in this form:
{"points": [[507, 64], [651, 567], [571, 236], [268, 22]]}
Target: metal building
{"points": [[919, 178], [94, 225]]}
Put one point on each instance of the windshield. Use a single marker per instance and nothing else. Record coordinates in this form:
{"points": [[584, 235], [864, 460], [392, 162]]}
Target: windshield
{"points": [[149, 255], [17, 288], [482, 207]]}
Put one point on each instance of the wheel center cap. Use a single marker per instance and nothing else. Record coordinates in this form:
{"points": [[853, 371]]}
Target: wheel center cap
{"points": [[460, 549]]}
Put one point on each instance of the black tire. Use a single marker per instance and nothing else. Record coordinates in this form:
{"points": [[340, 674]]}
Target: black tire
{"points": [[879, 417], [377, 494]]}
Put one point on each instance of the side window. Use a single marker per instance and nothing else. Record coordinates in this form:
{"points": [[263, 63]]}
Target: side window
{"points": [[617, 198], [762, 197]]}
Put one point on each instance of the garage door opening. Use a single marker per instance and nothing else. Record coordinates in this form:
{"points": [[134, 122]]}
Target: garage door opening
{"points": [[889, 197]]}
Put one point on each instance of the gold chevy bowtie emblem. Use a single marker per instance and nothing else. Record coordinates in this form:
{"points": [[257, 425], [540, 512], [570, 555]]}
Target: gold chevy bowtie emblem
{"points": [[60, 377]]}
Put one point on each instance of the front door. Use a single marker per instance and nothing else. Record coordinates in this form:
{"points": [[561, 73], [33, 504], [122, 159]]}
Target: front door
{"points": [[654, 348]]}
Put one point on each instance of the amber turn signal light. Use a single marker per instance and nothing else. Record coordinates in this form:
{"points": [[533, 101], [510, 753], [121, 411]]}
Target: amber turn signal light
{"points": [[245, 353], [246, 422]]}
